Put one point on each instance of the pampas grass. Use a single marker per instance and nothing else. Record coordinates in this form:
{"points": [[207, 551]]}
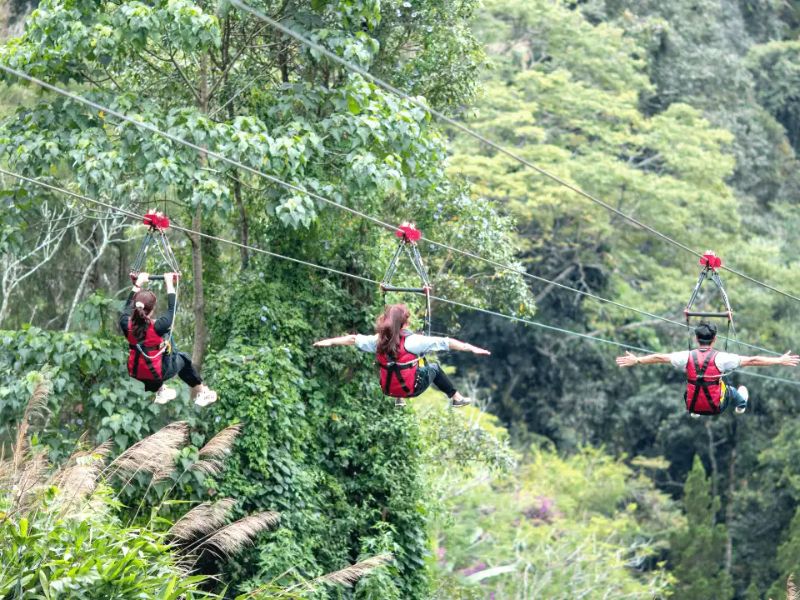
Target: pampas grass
{"points": [[350, 575], [154, 454], [791, 589], [79, 476], [216, 451], [232, 538], [202, 520], [29, 476], [36, 407]]}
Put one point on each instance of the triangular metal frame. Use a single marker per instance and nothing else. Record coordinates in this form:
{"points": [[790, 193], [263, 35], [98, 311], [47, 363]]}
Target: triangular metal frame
{"points": [[408, 244], [710, 263], [156, 236]]}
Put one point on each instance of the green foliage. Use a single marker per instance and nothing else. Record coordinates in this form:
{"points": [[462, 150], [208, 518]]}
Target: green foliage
{"points": [[556, 528], [321, 444], [788, 553], [90, 382], [774, 67], [699, 548], [89, 555]]}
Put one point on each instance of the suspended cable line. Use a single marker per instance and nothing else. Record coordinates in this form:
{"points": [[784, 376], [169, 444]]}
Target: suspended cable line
{"points": [[361, 278], [486, 141], [177, 139]]}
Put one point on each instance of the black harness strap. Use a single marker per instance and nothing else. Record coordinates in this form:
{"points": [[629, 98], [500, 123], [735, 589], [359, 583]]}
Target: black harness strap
{"points": [[700, 382], [393, 370], [141, 353]]}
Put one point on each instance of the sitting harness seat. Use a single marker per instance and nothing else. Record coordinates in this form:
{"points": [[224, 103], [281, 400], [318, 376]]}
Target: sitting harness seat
{"points": [[704, 386], [143, 365], [398, 373]]}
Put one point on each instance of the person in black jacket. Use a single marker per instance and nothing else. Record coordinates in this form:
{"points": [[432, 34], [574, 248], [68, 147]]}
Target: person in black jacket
{"points": [[152, 358]]}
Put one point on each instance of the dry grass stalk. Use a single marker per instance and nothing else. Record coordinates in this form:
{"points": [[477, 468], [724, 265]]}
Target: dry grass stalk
{"points": [[36, 407], [217, 450], [30, 476], [78, 479], [154, 454], [201, 520], [351, 574], [232, 538], [791, 589], [6, 468]]}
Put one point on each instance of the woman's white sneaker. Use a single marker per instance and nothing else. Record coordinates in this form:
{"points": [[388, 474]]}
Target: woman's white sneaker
{"points": [[205, 397], [165, 394]]}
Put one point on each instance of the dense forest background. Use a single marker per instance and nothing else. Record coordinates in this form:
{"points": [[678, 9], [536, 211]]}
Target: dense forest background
{"points": [[573, 477]]}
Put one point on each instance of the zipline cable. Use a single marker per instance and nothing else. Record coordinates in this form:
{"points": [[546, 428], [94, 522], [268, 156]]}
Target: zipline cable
{"points": [[334, 204], [488, 142], [256, 249]]}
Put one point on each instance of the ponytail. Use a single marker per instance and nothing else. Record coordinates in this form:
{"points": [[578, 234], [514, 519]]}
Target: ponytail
{"points": [[144, 302], [389, 326]]}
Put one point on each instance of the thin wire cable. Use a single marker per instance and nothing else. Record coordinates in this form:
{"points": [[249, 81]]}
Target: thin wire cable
{"points": [[192, 145], [484, 140], [330, 202], [256, 249]]}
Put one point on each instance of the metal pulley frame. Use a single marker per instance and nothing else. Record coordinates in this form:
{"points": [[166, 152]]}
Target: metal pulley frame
{"points": [[408, 236], [156, 236], [710, 263]]}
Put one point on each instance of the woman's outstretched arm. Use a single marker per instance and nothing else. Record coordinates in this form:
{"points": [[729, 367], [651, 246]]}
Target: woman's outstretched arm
{"points": [[465, 347], [345, 340]]}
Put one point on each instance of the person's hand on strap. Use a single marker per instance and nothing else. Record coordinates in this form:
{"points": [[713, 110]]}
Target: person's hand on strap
{"points": [[141, 279], [170, 279]]}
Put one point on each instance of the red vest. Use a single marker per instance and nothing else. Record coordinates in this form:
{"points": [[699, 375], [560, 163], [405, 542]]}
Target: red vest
{"points": [[145, 358], [398, 374], [703, 383]]}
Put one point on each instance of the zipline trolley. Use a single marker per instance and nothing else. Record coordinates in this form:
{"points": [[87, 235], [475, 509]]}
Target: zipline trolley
{"points": [[157, 224], [710, 263], [408, 236]]}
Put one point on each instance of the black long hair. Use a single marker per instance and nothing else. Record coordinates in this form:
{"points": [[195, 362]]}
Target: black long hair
{"points": [[389, 326], [143, 303]]}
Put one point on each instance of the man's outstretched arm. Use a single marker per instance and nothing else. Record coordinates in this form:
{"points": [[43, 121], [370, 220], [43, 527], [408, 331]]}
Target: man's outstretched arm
{"points": [[786, 360], [629, 359]]}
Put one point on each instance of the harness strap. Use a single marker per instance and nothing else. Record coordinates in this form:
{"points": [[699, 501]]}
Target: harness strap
{"points": [[148, 361], [393, 369], [700, 382]]}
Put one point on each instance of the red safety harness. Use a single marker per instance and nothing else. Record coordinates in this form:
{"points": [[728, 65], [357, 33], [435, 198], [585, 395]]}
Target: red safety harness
{"points": [[704, 388], [398, 374], [146, 356]]}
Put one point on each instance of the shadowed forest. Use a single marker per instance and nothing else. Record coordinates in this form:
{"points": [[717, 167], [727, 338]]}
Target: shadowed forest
{"points": [[627, 138]]}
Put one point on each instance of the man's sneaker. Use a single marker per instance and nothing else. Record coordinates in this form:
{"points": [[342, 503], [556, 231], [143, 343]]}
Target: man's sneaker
{"points": [[205, 397], [694, 415], [458, 403], [746, 395], [165, 394], [399, 402]]}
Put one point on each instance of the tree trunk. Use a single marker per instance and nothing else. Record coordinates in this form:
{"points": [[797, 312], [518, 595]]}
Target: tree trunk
{"points": [[199, 303], [97, 253], [729, 508], [712, 457], [244, 228], [123, 268]]}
